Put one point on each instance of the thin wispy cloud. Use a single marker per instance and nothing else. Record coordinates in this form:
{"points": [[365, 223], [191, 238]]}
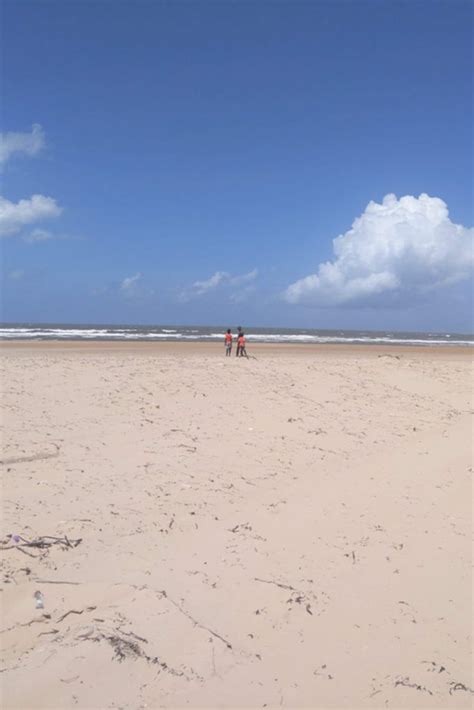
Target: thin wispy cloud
{"points": [[243, 278], [129, 282], [16, 215], [38, 235], [395, 252], [30, 143], [219, 279], [133, 288], [201, 287]]}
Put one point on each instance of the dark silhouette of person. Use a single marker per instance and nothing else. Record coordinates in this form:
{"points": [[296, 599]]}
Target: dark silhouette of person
{"points": [[239, 331]]}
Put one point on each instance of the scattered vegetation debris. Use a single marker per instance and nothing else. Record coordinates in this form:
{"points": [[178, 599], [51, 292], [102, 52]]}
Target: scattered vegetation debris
{"points": [[435, 667], [42, 542], [322, 671], [408, 684], [45, 633], [241, 526], [56, 581], [74, 611], [460, 686], [125, 649], [277, 584]]}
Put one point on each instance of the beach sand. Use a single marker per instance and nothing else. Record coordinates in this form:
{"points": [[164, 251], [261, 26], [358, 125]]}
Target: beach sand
{"points": [[289, 531]]}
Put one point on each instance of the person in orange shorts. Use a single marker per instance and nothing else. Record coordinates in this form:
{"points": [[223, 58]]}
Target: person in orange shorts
{"points": [[228, 343], [241, 346], [239, 333]]}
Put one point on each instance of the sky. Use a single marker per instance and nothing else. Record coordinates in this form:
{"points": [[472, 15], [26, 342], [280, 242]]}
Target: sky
{"points": [[298, 164]]}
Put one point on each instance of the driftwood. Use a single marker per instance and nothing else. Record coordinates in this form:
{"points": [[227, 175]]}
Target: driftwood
{"points": [[55, 581]]}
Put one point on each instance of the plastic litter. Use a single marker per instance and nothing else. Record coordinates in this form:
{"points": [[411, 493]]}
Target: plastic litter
{"points": [[39, 600]]}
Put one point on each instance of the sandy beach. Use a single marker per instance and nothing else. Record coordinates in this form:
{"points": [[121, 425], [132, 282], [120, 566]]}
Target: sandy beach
{"points": [[292, 530]]}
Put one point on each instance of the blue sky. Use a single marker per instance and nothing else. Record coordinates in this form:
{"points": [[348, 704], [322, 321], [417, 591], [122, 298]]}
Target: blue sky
{"points": [[196, 160]]}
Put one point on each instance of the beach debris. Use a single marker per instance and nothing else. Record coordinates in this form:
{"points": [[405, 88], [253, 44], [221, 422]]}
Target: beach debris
{"points": [[241, 526], [74, 611], [460, 686], [42, 542], [277, 584], [30, 459], [191, 449], [324, 674], [434, 667], [39, 600], [195, 622], [298, 597], [55, 581], [125, 648], [406, 682], [36, 620]]}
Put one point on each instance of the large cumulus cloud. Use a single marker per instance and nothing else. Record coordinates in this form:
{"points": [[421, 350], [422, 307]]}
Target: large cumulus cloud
{"points": [[396, 250]]}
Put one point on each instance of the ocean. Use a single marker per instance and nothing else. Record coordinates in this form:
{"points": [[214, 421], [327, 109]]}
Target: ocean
{"points": [[32, 331]]}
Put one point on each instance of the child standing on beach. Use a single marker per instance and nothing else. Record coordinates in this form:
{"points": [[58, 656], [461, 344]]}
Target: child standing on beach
{"points": [[239, 333], [228, 343], [241, 345]]}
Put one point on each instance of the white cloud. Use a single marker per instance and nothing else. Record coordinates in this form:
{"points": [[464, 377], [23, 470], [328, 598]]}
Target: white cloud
{"points": [[244, 278], [38, 235], [200, 287], [219, 278], [129, 282], [394, 251], [28, 143], [15, 215]]}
